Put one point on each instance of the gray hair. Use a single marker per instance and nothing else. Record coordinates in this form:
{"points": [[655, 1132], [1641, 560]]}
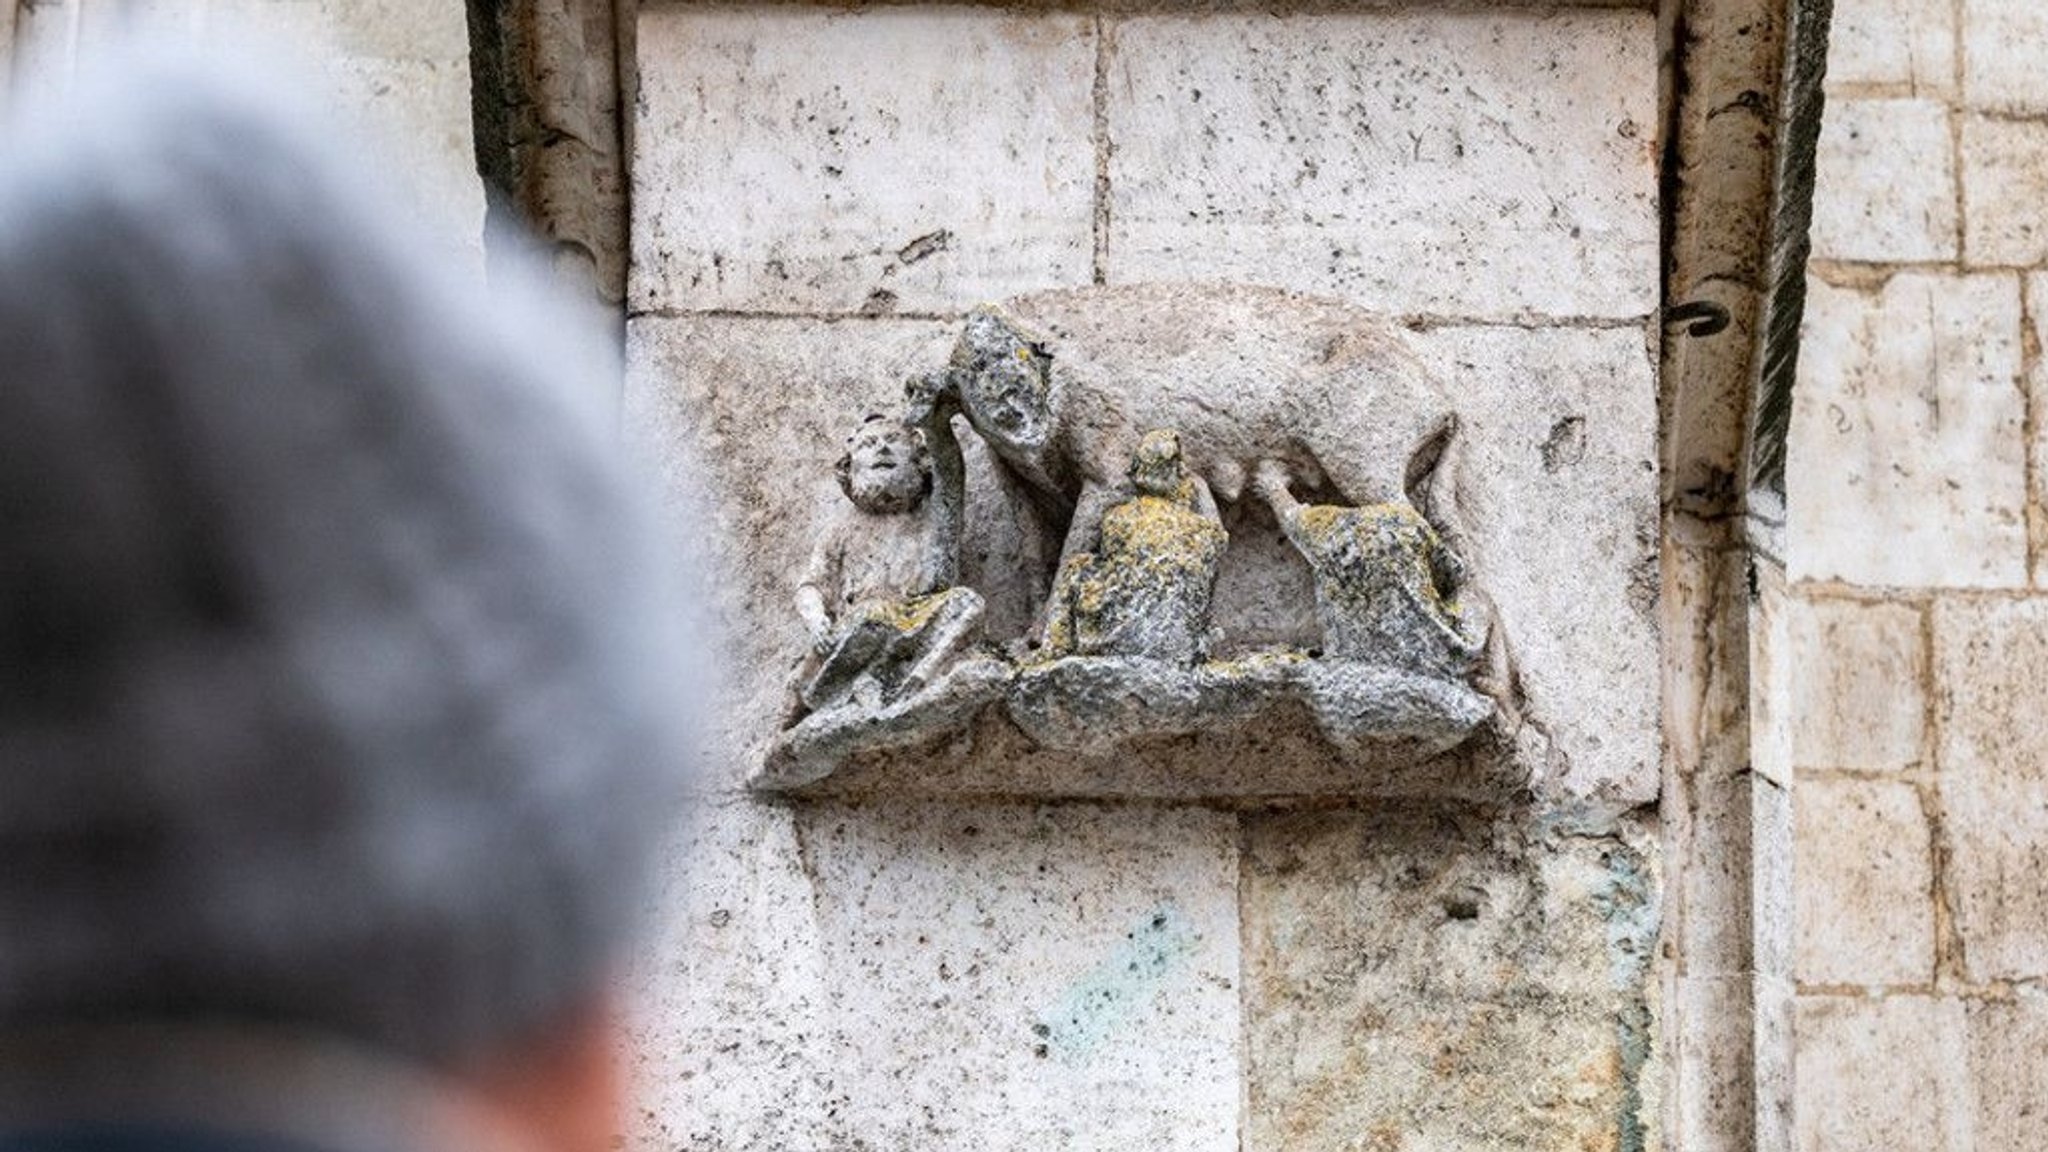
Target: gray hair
{"points": [[337, 664]]}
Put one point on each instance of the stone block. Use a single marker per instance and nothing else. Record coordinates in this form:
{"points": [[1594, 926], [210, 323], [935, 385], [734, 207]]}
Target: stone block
{"points": [[1882, 1073], [1988, 661], [1858, 697], [1886, 188], [1907, 45], [2007, 1039], [1559, 419], [2005, 178], [1996, 829], [1421, 981], [2037, 399], [1465, 163], [1773, 668], [1560, 500], [1991, 684], [1008, 978], [365, 29], [414, 116], [794, 158], [2001, 57], [1865, 867], [1713, 1042], [1774, 881], [1911, 394]]}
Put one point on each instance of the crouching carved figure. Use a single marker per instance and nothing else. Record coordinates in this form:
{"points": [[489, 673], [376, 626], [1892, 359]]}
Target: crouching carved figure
{"points": [[879, 596], [1386, 585], [1145, 589]]}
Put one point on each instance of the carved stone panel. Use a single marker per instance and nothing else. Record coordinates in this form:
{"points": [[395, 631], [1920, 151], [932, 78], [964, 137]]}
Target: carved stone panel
{"points": [[1198, 542]]}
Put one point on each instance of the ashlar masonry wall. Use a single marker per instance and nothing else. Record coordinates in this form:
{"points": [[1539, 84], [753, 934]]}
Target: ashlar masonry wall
{"points": [[1917, 637], [395, 70], [819, 194]]}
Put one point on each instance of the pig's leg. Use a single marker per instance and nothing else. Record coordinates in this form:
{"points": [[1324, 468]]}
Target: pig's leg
{"points": [[1083, 533]]}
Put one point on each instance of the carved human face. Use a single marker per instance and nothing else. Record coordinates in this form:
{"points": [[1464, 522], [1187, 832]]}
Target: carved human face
{"points": [[1006, 401], [886, 468], [1156, 466]]}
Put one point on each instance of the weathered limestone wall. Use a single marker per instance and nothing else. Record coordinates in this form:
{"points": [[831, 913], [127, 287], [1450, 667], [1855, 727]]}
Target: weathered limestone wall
{"points": [[818, 194], [399, 69], [1914, 633]]}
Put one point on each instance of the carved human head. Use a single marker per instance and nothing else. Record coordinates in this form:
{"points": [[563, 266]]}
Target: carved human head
{"points": [[1006, 383], [1156, 465], [886, 468]]}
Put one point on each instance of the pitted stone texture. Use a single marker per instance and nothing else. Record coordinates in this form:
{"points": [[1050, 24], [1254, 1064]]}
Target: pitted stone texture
{"points": [[2001, 64], [1464, 163], [1423, 981], [1907, 45], [394, 72], [751, 413], [1929, 362], [2037, 398], [1556, 421], [947, 976], [1882, 1073], [1989, 658], [1997, 833], [2007, 1039], [1888, 182], [360, 29], [793, 158], [1559, 495], [1864, 859], [1859, 698], [1991, 672], [2005, 179]]}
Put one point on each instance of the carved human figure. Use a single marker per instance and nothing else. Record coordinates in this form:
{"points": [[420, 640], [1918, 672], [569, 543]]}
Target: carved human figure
{"points": [[1386, 586], [878, 595], [1145, 588]]}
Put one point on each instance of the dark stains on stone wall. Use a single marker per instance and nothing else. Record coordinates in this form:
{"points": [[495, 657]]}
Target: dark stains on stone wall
{"points": [[548, 83]]}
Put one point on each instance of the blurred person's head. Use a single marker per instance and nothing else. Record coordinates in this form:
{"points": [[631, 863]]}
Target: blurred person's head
{"points": [[335, 664]]}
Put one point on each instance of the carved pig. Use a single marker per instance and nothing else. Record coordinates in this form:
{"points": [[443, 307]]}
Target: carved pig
{"points": [[1063, 385]]}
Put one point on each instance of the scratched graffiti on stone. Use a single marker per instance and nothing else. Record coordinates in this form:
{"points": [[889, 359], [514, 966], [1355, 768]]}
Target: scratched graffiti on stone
{"points": [[1147, 451]]}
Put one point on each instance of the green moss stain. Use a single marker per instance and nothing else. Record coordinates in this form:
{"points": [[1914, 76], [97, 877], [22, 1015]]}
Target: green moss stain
{"points": [[1628, 907], [1113, 993]]}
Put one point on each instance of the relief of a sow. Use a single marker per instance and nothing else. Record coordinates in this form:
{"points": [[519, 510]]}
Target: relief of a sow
{"points": [[1064, 385]]}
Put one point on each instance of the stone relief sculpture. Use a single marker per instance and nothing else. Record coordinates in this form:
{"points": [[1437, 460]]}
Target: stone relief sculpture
{"points": [[1386, 586], [881, 607], [1139, 458], [1144, 591]]}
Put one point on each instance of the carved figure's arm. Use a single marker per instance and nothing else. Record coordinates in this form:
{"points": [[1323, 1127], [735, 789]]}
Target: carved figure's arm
{"points": [[947, 510], [1271, 482], [1086, 528], [820, 582], [1205, 502]]}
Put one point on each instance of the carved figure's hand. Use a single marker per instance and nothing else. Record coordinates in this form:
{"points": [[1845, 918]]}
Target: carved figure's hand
{"points": [[1271, 478], [810, 608], [929, 397]]}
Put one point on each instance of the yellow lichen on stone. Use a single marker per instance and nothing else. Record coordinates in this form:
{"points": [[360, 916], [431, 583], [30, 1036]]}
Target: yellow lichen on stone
{"points": [[1377, 542], [1146, 590]]}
